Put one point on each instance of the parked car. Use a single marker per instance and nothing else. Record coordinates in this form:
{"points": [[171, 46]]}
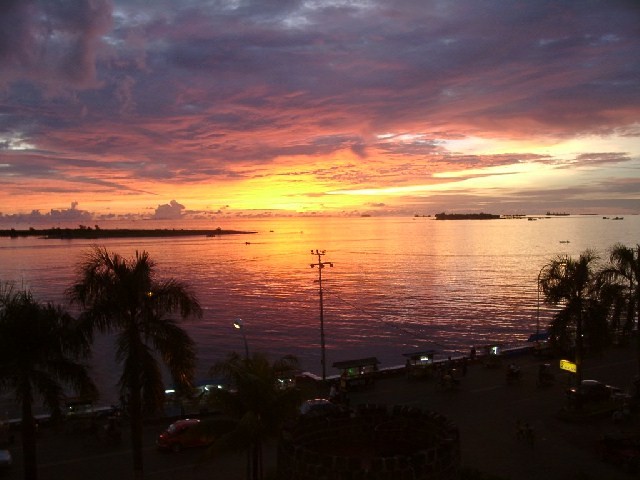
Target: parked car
{"points": [[5, 459], [592, 391], [184, 434]]}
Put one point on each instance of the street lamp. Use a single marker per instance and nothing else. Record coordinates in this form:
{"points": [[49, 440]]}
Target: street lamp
{"points": [[538, 309], [239, 325]]}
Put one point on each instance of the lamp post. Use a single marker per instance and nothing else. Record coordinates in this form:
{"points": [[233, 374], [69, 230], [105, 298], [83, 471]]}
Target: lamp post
{"points": [[321, 265], [538, 309], [239, 325]]}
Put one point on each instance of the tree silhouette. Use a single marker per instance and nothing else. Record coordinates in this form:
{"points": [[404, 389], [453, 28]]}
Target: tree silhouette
{"points": [[257, 401], [41, 354], [623, 275], [122, 295], [574, 285]]}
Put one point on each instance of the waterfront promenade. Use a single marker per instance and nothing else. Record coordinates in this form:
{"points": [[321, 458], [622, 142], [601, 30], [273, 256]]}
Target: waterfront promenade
{"points": [[483, 406], [487, 412]]}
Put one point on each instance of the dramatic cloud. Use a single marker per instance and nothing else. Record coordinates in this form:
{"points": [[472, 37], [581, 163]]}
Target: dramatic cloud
{"points": [[52, 42], [170, 211], [281, 104], [54, 216]]}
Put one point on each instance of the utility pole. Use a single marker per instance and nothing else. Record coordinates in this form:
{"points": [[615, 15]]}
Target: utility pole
{"points": [[321, 265]]}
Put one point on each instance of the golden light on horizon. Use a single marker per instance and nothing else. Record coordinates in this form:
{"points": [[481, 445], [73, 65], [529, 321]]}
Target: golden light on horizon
{"points": [[559, 149], [290, 186], [481, 178]]}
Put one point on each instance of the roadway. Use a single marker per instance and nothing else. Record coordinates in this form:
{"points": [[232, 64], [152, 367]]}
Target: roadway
{"points": [[70, 456]]}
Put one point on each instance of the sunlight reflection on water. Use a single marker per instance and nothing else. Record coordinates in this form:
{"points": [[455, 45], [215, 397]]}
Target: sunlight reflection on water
{"points": [[398, 284]]}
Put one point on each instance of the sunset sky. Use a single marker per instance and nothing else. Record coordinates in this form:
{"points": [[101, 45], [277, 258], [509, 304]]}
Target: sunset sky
{"points": [[205, 108]]}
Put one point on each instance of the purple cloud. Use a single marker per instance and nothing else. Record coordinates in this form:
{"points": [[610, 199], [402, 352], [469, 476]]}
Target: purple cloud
{"points": [[52, 43]]}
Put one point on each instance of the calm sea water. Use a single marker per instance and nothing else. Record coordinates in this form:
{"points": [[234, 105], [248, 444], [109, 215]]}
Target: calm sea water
{"points": [[397, 284]]}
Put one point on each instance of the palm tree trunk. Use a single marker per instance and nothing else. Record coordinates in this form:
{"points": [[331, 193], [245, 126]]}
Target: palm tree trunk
{"points": [[638, 333], [256, 461], [135, 418], [249, 475], [579, 348], [636, 300], [28, 426]]}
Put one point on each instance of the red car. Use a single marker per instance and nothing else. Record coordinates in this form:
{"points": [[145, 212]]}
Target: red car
{"points": [[183, 434]]}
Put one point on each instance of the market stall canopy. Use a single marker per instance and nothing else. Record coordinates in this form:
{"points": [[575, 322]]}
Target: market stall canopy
{"points": [[420, 355], [358, 373], [538, 337], [357, 363]]}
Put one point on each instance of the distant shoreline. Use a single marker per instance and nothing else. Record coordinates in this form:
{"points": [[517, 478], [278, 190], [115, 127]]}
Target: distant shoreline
{"points": [[97, 233], [466, 216]]}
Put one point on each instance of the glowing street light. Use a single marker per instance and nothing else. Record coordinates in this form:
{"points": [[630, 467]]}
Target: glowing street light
{"points": [[239, 325]]}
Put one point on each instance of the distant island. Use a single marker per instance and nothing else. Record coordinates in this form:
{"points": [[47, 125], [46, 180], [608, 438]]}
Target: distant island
{"points": [[95, 233], [466, 216]]}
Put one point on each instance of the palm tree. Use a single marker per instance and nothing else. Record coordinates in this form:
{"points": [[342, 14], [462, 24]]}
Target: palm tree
{"points": [[122, 295], [623, 275], [573, 283], [41, 350], [257, 401]]}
